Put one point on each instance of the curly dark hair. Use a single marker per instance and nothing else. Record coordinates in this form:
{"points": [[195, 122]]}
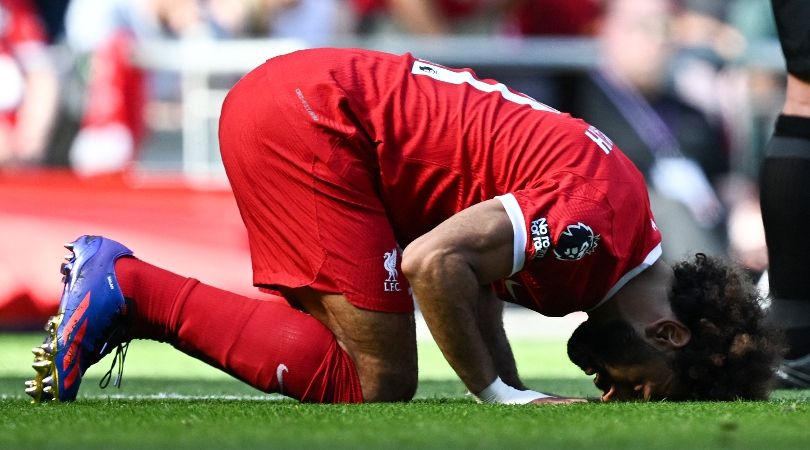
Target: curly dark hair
{"points": [[733, 352]]}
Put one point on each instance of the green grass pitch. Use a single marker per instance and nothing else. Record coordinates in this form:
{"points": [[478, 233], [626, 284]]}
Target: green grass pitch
{"points": [[171, 401]]}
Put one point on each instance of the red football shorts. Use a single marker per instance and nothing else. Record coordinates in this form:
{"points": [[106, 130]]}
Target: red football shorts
{"points": [[305, 186]]}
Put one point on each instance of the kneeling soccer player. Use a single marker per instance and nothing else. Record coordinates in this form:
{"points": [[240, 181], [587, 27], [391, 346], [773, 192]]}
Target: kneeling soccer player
{"points": [[338, 160]]}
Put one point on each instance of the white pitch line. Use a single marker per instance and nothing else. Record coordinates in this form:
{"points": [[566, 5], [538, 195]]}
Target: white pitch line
{"points": [[184, 397], [171, 396]]}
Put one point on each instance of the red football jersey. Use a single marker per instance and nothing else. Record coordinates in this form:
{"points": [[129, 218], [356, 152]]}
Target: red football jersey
{"points": [[440, 140]]}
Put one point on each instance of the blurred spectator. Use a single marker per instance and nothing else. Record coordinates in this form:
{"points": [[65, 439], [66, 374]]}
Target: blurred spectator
{"points": [[752, 18], [676, 146], [750, 119], [316, 22], [703, 23], [550, 18], [114, 114], [762, 89], [746, 99], [112, 124], [706, 77], [52, 14], [429, 17], [554, 17], [28, 85], [228, 18], [101, 33], [90, 23]]}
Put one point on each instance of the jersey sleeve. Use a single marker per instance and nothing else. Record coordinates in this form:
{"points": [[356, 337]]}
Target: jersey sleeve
{"points": [[574, 246], [556, 220]]}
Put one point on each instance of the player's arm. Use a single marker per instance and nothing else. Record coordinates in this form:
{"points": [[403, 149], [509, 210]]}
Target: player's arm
{"points": [[446, 268], [490, 322]]}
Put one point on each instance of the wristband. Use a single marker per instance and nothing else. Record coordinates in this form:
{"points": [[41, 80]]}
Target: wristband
{"points": [[500, 392]]}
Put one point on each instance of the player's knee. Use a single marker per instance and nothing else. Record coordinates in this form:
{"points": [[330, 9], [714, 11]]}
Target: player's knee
{"points": [[397, 386], [391, 379]]}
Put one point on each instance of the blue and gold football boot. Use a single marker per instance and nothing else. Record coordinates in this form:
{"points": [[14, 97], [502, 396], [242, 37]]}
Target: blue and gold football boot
{"points": [[89, 323]]}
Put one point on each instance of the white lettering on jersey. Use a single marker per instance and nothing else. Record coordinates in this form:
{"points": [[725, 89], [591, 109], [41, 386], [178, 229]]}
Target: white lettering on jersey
{"points": [[448, 76], [540, 239], [600, 139], [391, 284], [306, 105]]}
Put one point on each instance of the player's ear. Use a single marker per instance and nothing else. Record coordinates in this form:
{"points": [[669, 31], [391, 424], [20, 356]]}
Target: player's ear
{"points": [[668, 334]]}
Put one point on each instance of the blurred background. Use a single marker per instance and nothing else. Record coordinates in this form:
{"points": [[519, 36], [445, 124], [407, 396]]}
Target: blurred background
{"points": [[109, 108]]}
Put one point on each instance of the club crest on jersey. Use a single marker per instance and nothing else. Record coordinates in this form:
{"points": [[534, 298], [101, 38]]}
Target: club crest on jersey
{"points": [[577, 241], [391, 284], [540, 238]]}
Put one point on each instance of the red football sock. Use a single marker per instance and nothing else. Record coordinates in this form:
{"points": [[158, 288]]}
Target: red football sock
{"points": [[265, 343]]}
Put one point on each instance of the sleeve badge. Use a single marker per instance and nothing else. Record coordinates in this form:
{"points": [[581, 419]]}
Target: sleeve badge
{"points": [[577, 241]]}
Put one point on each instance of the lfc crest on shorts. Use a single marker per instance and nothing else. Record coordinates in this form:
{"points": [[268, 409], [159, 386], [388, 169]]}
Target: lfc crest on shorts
{"points": [[391, 284], [575, 242]]}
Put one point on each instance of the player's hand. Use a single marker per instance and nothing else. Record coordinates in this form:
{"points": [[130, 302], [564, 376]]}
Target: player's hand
{"points": [[557, 400]]}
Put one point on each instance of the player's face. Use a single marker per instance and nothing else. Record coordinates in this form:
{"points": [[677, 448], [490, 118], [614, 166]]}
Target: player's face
{"points": [[625, 366], [653, 380]]}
